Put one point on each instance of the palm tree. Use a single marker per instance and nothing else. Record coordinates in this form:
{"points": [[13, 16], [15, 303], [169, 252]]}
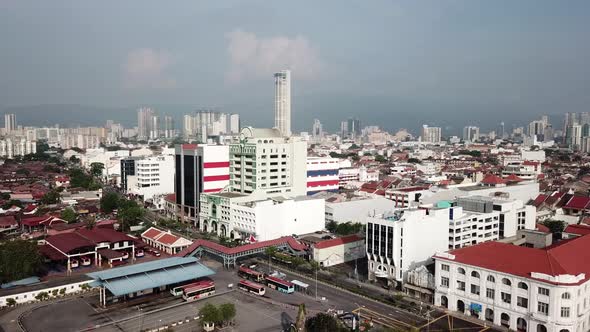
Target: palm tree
{"points": [[300, 322]]}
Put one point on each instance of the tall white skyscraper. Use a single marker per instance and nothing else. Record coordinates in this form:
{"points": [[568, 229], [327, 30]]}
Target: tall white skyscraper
{"points": [[431, 134], [283, 102], [9, 122], [145, 122], [317, 131]]}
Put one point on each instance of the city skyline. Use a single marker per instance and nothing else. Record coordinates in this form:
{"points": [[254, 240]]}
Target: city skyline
{"points": [[440, 63]]}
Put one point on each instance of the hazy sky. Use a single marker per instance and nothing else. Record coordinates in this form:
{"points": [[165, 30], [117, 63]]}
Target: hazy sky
{"points": [[383, 61]]}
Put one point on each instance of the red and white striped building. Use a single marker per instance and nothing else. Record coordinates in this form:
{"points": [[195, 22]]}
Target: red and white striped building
{"points": [[199, 169], [322, 174]]}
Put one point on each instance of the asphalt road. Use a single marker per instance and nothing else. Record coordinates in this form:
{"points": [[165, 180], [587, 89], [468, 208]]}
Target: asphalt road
{"points": [[273, 312]]}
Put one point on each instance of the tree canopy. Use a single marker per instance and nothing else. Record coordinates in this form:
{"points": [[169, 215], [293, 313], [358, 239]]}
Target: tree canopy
{"points": [[79, 179], [346, 228], [51, 197], [18, 259], [209, 313], [69, 215], [96, 169], [129, 214], [323, 322], [555, 226], [109, 202]]}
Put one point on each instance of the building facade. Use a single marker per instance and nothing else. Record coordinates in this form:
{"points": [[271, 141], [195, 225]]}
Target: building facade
{"points": [[520, 288], [322, 174], [199, 169], [399, 241], [265, 163], [283, 102]]}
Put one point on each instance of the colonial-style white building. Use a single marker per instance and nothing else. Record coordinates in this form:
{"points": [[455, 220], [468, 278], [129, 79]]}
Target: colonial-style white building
{"points": [[521, 288]]}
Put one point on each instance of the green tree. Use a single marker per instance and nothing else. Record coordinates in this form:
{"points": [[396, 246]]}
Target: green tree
{"points": [[74, 159], [18, 259], [51, 197], [209, 313], [96, 169], [227, 312], [555, 226], [12, 202], [109, 202], [10, 302], [331, 226], [55, 292], [5, 196], [380, 159], [414, 161], [300, 321], [42, 296], [129, 214], [322, 322], [69, 215]]}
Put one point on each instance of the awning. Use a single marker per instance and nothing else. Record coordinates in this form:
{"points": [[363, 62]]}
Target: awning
{"points": [[110, 254], [299, 283]]}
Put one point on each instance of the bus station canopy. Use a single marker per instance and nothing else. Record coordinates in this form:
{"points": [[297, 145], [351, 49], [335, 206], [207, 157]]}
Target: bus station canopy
{"points": [[138, 277], [299, 284]]}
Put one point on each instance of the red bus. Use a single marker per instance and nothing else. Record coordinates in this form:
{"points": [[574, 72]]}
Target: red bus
{"points": [[280, 284], [178, 290], [251, 287], [247, 273], [201, 289]]}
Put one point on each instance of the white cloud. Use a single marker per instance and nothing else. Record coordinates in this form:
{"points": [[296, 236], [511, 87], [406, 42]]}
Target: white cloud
{"points": [[147, 69], [255, 57]]}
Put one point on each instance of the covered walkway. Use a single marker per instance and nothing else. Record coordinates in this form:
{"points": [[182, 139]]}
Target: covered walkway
{"points": [[145, 278], [230, 255]]}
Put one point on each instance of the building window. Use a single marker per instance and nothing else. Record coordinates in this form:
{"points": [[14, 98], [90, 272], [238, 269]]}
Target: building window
{"points": [[461, 270], [522, 285], [490, 293], [543, 308], [475, 289], [506, 298], [444, 267], [475, 274], [565, 312], [544, 291], [491, 278], [444, 282], [566, 296], [460, 285], [522, 302], [506, 282]]}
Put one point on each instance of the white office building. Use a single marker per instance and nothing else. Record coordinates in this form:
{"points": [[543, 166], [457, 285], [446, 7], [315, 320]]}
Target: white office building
{"points": [[153, 176], [283, 102], [265, 163], [402, 240], [12, 147], [518, 287], [431, 134], [471, 134], [9, 123], [242, 216]]}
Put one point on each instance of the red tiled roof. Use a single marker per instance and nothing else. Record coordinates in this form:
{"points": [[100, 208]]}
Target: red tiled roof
{"points": [[513, 178], [98, 235], [168, 239], [543, 228], [539, 200], [337, 241], [577, 202], [294, 244], [569, 257], [577, 229], [152, 233], [170, 198], [51, 253], [36, 221], [6, 221], [493, 179], [67, 242]]}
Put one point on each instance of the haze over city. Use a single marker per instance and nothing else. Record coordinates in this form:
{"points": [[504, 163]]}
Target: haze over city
{"points": [[393, 63]]}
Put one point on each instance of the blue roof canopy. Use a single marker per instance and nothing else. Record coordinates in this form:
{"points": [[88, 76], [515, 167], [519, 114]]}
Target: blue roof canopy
{"points": [[129, 279]]}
